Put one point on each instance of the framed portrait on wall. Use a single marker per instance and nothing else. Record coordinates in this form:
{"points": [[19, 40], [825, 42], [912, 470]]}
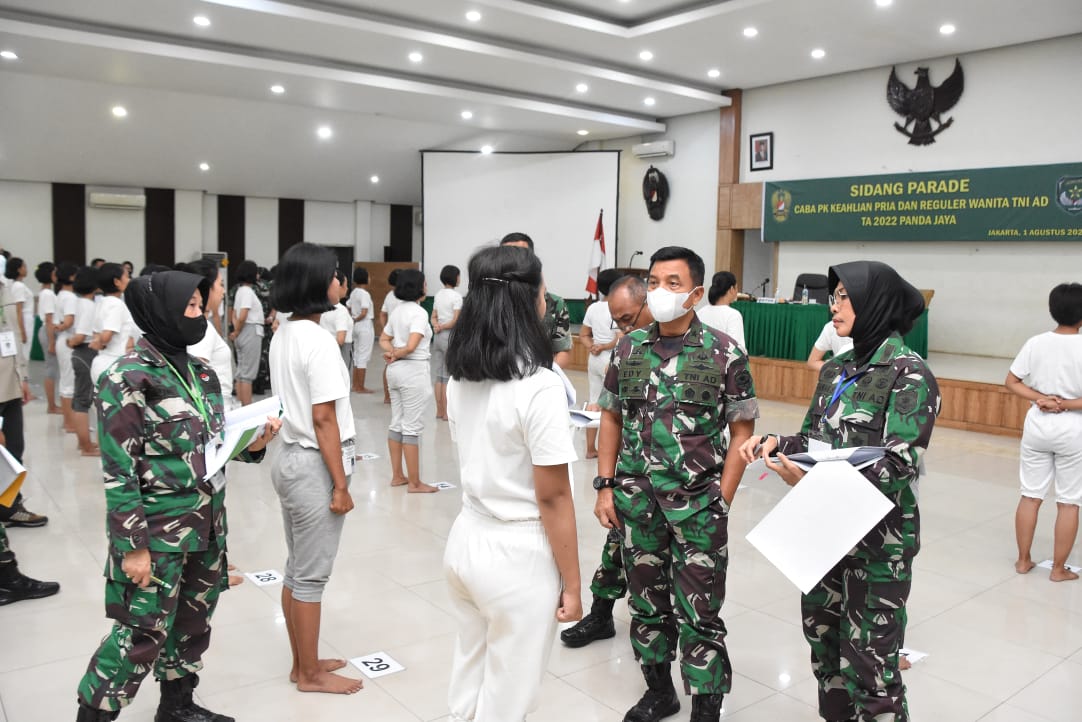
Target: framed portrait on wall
{"points": [[762, 151]]}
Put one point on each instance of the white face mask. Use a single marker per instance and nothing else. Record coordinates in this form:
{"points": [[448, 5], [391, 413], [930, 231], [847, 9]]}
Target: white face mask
{"points": [[667, 306]]}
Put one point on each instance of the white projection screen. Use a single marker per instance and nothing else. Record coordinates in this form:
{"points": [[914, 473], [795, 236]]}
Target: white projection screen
{"points": [[474, 199]]}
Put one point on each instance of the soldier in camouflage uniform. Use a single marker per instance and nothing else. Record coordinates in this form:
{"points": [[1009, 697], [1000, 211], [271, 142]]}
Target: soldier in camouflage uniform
{"points": [[880, 393], [670, 390], [557, 320], [158, 408]]}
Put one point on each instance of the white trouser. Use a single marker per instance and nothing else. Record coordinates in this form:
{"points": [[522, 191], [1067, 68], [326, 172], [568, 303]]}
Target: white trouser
{"points": [[410, 391], [67, 371], [596, 366], [505, 589], [363, 338], [1051, 456]]}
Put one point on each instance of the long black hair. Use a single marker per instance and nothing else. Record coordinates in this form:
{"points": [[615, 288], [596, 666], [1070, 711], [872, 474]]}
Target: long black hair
{"points": [[499, 335]]}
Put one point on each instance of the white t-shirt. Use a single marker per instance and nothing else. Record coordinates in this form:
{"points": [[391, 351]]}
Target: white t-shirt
{"points": [[446, 302], [725, 319], [829, 340], [335, 320], [1052, 364], [215, 351], [306, 368], [407, 319], [21, 293], [599, 320], [390, 303], [506, 428], [46, 304], [112, 315], [360, 299], [247, 298], [84, 318], [65, 306]]}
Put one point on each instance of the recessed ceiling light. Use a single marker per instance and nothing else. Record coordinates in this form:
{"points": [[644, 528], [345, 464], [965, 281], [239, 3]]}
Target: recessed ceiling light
{"points": [[466, 114], [277, 89], [583, 132], [120, 111], [202, 21], [581, 88], [818, 53], [473, 16], [750, 32], [374, 179], [8, 55], [324, 132], [883, 3], [416, 57], [713, 73], [486, 149], [646, 55], [947, 29], [648, 101], [204, 167]]}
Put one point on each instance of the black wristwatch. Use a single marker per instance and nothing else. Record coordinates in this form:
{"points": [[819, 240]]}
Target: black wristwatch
{"points": [[604, 482]]}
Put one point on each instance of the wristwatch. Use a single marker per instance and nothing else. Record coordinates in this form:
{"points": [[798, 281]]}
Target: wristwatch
{"points": [[604, 482]]}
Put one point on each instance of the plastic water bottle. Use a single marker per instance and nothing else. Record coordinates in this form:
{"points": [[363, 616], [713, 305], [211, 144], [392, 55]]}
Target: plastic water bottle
{"points": [[777, 294], [804, 296]]}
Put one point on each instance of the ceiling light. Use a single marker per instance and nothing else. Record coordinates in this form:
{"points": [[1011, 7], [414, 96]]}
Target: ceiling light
{"points": [[473, 16], [883, 3], [374, 179], [8, 55], [204, 167], [646, 55], [466, 114], [278, 89], [202, 21], [120, 111], [582, 88], [324, 132], [713, 73], [947, 29], [648, 101], [416, 57], [486, 149], [750, 32], [583, 132], [818, 53]]}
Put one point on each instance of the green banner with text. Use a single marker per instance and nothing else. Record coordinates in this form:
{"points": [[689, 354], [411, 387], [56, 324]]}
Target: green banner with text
{"points": [[1026, 203]]}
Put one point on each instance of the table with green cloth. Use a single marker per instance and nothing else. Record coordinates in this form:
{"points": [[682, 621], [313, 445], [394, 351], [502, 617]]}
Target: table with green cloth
{"points": [[789, 330]]}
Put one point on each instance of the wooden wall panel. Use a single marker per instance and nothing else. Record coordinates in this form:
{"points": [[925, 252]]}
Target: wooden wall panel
{"points": [[747, 205], [725, 201]]}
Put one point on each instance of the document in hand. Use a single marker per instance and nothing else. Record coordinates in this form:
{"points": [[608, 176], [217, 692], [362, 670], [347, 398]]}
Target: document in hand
{"points": [[12, 475], [242, 427], [583, 419], [857, 456], [819, 521]]}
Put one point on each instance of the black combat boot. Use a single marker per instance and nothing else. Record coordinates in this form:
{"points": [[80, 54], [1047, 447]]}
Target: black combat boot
{"points": [[706, 707], [90, 714], [595, 625], [177, 704], [16, 586], [660, 699]]}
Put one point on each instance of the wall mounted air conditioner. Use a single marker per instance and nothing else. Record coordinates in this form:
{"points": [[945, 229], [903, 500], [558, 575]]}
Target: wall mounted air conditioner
{"points": [[119, 201], [656, 149]]}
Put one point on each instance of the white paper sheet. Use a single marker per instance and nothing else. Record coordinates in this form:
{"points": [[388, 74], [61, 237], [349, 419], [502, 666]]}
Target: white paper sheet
{"points": [[818, 522], [584, 419], [239, 427], [1047, 564]]}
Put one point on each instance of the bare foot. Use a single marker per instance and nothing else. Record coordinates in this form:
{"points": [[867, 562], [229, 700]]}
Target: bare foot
{"points": [[69, 429], [591, 454], [91, 450], [421, 488], [903, 662], [331, 684], [325, 665], [1022, 566], [386, 401], [235, 579], [232, 567], [55, 410], [1062, 574], [365, 391], [399, 481]]}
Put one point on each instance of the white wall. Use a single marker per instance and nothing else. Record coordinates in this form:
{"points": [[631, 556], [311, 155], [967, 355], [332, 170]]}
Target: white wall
{"points": [[1015, 110], [27, 230], [188, 224], [112, 234], [329, 224]]}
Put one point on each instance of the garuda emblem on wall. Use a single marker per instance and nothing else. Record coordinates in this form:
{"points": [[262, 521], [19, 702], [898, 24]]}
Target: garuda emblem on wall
{"points": [[924, 103]]}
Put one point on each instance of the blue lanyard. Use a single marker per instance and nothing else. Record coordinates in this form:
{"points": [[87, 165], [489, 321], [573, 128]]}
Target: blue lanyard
{"points": [[842, 384]]}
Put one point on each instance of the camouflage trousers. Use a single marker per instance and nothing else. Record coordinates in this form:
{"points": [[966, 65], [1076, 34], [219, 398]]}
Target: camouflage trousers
{"points": [[6, 555], [683, 561], [610, 582], [854, 620], [164, 627]]}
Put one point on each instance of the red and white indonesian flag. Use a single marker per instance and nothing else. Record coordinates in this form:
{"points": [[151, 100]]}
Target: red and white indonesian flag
{"points": [[598, 259]]}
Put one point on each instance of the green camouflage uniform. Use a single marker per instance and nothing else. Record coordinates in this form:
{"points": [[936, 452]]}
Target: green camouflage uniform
{"points": [[854, 619], [557, 323], [152, 443], [610, 581], [675, 397]]}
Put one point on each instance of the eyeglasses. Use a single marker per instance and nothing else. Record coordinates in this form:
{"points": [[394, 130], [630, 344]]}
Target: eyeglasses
{"points": [[836, 299], [624, 325]]}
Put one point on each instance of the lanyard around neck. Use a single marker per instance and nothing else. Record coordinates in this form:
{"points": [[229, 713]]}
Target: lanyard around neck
{"points": [[197, 399], [842, 384]]}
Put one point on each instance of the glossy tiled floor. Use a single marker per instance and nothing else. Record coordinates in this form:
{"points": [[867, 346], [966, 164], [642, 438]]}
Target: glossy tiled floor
{"points": [[1004, 648]]}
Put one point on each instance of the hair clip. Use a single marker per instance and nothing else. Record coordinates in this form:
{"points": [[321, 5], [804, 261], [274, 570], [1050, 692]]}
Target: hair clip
{"points": [[493, 279]]}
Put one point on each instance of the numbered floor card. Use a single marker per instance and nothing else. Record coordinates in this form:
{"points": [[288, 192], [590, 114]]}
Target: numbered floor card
{"points": [[265, 578], [819, 521], [376, 664]]}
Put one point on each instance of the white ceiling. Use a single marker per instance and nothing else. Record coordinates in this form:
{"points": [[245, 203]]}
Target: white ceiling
{"points": [[201, 94]]}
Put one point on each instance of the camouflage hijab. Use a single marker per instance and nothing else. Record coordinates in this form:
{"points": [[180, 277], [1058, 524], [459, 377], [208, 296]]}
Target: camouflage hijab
{"points": [[883, 301], [157, 304]]}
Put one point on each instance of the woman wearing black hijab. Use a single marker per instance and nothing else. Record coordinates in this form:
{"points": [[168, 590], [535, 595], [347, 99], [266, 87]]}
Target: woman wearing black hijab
{"points": [[158, 409], [880, 393]]}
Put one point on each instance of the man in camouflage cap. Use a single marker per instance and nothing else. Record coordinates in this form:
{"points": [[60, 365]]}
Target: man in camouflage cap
{"points": [[557, 320], [669, 393]]}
